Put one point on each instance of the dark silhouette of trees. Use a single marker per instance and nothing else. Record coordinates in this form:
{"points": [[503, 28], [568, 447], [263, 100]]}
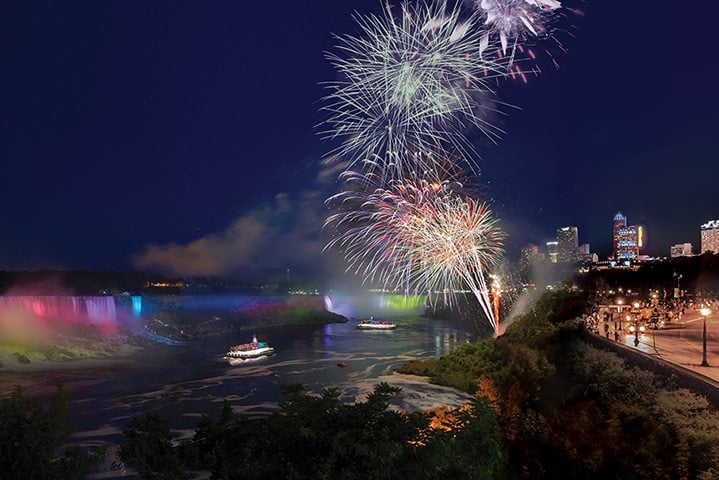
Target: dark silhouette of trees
{"points": [[319, 437], [30, 439]]}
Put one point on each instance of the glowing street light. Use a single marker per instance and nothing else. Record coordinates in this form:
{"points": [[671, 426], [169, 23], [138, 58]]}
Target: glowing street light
{"points": [[620, 303], [636, 330], [705, 313]]}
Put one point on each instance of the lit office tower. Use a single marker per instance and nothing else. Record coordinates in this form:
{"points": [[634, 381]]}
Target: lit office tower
{"points": [[681, 250], [568, 244], [552, 251], [530, 255], [585, 254], [626, 238], [710, 237]]}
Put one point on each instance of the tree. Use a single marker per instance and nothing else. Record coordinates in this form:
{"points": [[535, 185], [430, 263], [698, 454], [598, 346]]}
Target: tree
{"points": [[30, 437], [149, 447]]}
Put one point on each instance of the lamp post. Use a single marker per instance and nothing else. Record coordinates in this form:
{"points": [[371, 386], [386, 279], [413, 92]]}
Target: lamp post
{"points": [[636, 312], [620, 302], [705, 313], [634, 329]]}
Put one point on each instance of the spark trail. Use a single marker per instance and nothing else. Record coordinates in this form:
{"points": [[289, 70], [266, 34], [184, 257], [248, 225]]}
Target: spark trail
{"points": [[421, 236]]}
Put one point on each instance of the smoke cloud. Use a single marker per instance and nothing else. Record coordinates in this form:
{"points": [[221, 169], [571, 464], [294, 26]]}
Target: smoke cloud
{"points": [[260, 244]]}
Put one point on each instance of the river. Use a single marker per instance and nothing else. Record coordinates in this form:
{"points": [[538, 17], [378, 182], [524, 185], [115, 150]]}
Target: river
{"points": [[183, 382]]}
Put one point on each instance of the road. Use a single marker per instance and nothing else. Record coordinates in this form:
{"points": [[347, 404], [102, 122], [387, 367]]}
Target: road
{"points": [[681, 343]]}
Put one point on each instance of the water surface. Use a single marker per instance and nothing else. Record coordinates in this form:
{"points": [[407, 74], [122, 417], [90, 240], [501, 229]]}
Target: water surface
{"points": [[182, 382]]}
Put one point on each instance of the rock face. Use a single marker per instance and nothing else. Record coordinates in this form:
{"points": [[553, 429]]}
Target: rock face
{"points": [[22, 359], [183, 323]]}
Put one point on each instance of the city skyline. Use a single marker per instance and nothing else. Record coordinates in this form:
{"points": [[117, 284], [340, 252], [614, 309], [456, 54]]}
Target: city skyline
{"points": [[707, 233]]}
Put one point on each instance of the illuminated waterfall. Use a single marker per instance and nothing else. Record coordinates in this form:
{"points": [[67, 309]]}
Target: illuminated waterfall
{"points": [[98, 311]]}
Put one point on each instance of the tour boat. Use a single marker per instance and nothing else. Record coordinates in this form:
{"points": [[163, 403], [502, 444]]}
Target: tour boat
{"points": [[373, 324], [253, 349]]}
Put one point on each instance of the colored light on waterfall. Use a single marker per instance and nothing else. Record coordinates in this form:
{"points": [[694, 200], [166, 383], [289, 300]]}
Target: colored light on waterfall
{"points": [[137, 305]]}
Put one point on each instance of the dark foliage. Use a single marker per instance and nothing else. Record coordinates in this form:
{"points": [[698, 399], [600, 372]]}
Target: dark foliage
{"points": [[52, 282], [319, 437], [569, 410], [30, 440], [699, 274], [149, 446]]}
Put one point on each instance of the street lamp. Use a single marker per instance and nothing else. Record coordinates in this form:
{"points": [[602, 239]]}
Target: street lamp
{"points": [[705, 313], [634, 329]]}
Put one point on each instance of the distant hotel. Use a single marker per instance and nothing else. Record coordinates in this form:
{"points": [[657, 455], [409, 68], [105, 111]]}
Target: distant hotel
{"points": [[628, 239], [681, 250], [565, 249], [567, 244], [710, 237], [553, 251]]}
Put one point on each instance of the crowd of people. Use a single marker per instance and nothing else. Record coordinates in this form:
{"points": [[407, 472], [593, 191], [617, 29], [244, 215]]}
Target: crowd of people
{"points": [[612, 316]]}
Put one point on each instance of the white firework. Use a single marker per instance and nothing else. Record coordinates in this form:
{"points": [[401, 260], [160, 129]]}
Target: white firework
{"points": [[514, 20], [412, 81]]}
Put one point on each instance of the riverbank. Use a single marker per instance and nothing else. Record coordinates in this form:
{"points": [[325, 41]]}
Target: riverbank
{"points": [[40, 379], [59, 349], [190, 318], [171, 322], [557, 396]]}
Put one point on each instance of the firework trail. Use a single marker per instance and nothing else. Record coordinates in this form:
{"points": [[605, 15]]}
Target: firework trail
{"points": [[420, 236], [412, 81]]}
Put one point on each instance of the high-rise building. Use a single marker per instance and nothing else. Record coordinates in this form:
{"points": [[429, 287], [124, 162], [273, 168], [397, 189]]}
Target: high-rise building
{"points": [[641, 236], [681, 250], [710, 237], [627, 238], [552, 251], [530, 255], [585, 254], [568, 244]]}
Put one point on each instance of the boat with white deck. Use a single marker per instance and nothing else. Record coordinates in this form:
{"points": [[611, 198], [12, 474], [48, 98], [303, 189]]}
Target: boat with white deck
{"points": [[372, 324], [253, 349]]}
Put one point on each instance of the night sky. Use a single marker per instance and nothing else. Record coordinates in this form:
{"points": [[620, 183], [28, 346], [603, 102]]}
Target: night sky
{"points": [[180, 137]]}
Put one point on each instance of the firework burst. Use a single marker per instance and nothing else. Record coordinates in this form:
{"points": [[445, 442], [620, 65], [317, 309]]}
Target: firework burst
{"points": [[412, 81], [420, 236], [514, 20], [520, 25]]}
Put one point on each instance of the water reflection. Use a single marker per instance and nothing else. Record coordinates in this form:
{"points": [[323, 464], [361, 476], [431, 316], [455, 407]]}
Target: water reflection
{"points": [[184, 381], [448, 341]]}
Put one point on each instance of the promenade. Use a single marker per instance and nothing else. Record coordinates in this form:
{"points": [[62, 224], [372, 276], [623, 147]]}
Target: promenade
{"points": [[678, 343]]}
